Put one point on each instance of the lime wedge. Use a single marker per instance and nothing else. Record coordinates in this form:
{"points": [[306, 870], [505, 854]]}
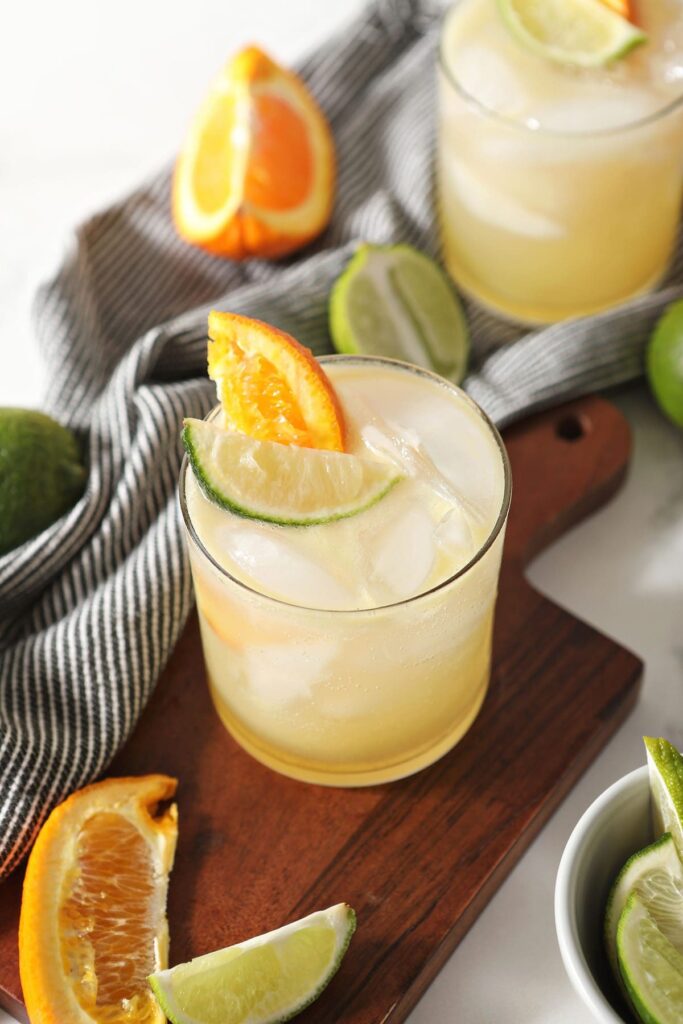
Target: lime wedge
{"points": [[651, 966], [582, 32], [266, 979], [666, 787], [656, 875], [394, 301], [281, 483]]}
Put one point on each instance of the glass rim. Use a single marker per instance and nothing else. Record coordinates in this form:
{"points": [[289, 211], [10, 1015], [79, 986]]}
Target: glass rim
{"points": [[476, 557], [537, 130]]}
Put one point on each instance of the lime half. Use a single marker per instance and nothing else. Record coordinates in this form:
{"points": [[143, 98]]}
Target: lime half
{"points": [[581, 32], [664, 362], [651, 966], [266, 979], [280, 483], [656, 875], [666, 787], [394, 301]]}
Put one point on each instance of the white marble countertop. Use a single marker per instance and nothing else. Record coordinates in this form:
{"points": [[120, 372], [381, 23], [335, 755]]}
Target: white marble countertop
{"points": [[94, 98]]}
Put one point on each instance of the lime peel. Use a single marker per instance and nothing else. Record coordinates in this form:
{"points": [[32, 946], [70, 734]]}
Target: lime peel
{"points": [[585, 33], [267, 979], [283, 484]]}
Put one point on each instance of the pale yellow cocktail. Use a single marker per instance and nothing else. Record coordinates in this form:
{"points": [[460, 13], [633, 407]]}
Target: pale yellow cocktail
{"points": [[359, 651], [559, 187]]}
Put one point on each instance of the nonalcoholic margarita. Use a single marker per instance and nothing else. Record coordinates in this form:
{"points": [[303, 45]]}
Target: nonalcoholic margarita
{"points": [[358, 651], [559, 187]]}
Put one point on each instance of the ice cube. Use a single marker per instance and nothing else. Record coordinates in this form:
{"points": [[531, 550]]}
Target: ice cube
{"points": [[274, 563], [491, 79], [282, 674], [402, 559], [453, 534]]}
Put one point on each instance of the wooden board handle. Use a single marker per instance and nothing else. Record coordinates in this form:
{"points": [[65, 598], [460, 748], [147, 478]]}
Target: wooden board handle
{"points": [[567, 462]]}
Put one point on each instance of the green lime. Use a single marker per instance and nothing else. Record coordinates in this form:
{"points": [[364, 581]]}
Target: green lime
{"points": [[581, 32], [666, 787], [41, 475], [664, 362], [651, 965], [656, 874], [281, 483], [267, 979], [394, 301]]}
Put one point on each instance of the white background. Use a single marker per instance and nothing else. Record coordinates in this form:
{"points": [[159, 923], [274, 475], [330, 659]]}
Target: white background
{"points": [[96, 96]]}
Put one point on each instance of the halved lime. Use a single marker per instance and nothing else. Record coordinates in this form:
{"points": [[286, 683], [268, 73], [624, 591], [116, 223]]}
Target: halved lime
{"points": [[664, 362], [651, 966], [394, 301], [582, 32], [666, 787], [281, 483], [656, 875], [268, 978]]}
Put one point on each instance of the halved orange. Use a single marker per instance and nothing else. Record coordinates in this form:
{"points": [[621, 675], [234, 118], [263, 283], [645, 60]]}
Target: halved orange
{"points": [[256, 174], [93, 911], [270, 386]]}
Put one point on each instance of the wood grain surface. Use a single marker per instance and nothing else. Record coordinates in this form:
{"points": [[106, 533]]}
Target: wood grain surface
{"points": [[420, 858]]}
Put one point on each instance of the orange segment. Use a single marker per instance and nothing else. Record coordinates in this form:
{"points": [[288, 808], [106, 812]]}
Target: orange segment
{"points": [[622, 7], [93, 923], [270, 386], [256, 174]]}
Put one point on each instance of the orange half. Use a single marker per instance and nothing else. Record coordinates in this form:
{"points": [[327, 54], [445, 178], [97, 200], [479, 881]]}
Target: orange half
{"points": [[93, 911], [270, 386], [256, 174]]}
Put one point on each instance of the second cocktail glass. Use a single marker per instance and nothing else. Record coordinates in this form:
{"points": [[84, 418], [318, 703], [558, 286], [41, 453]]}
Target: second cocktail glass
{"points": [[559, 189]]}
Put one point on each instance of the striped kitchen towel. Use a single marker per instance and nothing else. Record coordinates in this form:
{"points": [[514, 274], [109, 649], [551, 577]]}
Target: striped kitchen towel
{"points": [[91, 608]]}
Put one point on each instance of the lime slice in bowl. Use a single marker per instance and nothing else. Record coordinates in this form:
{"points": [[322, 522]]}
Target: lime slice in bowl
{"points": [[283, 484], [394, 301], [265, 980], [666, 787], [656, 875], [586, 33], [651, 966]]}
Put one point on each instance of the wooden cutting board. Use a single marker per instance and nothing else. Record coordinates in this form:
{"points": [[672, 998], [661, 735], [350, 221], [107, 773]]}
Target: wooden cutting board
{"points": [[420, 858]]}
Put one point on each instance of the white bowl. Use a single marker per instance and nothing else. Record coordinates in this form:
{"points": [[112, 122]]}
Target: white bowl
{"points": [[615, 825]]}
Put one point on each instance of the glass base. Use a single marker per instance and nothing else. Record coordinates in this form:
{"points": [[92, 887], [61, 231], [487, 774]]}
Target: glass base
{"points": [[344, 774], [528, 315]]}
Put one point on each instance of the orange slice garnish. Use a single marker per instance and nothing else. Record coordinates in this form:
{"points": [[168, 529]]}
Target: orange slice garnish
{"points": [[271, 387], [93, 911], [622, 7], [256, 174]]}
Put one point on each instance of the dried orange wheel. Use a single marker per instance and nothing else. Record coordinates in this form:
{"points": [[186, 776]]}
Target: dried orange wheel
{"points": [[93, 911], [256, 174], [270, 386]]}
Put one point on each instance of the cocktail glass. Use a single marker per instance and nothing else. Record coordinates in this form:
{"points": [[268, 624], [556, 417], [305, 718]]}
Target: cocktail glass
{"points": [[541, 225], [352, 698]]}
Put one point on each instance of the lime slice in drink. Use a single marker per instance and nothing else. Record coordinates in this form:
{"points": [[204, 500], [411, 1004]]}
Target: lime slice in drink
{"points": [[666, 787], [280, 483], [651, 965], [656, 875], [394, 301], [582, 32], [664, 362], [266, 979]]}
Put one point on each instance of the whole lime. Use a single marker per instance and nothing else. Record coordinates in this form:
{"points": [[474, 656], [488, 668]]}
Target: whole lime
{"points": [[664, 362], [41, 474]]}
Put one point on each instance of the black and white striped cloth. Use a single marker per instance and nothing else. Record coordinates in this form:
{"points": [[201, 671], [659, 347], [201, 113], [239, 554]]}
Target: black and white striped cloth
{"points": [[90, 609]]}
